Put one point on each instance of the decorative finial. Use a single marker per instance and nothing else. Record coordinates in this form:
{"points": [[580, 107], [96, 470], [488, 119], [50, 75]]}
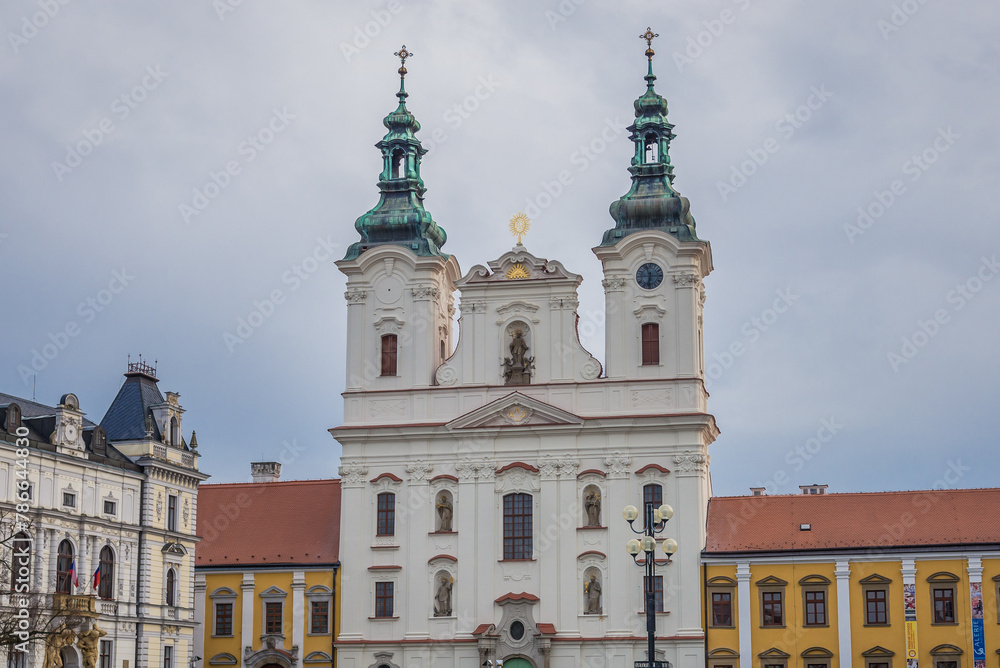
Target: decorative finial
{"points": [[649, 36], [519, 226], [402, 54]]}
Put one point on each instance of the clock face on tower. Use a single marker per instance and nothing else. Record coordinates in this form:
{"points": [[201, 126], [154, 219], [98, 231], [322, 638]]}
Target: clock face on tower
{"points": [[649, 276]]}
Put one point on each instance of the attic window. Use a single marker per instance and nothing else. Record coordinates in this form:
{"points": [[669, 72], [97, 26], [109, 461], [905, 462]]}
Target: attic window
{"points": [[805, 527]]}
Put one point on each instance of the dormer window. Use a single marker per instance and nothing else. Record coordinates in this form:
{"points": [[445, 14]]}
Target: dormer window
{"points": [[652, 149], [397, 160], [175, 431]]}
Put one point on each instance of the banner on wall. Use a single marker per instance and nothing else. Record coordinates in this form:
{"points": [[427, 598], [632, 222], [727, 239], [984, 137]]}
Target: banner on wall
{"points": [[978, 641], [910, 619]]}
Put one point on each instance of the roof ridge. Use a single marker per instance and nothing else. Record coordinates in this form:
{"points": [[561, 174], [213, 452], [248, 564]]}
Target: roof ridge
{"points": [[868, 493], [307, 481]]}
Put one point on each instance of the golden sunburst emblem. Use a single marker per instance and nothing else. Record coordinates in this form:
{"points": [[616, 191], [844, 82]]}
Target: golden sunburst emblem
{"points": [[519, 226], [516, 271]]}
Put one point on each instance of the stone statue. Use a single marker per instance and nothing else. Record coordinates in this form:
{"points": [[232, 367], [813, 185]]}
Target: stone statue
{"points": [[445, 512], [442, 598], [592, 505], [58, 639], [518, 367], [88, 643], [592, 593]]}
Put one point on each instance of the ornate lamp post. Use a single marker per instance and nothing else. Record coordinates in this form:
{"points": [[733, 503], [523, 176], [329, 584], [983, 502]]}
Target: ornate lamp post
{"points": [[654, 521]]}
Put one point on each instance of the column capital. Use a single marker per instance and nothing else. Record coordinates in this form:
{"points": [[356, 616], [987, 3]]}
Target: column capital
{"points": [[843, 571], [743, 571], [975, 569]]}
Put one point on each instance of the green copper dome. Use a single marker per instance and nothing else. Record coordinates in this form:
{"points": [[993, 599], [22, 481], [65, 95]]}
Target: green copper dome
{"points": [[399, 218], [651, 203]]}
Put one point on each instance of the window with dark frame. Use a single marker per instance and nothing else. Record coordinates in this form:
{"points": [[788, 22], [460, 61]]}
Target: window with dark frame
{"points": [[383, 599], [650, 344], [722, 608], [17, 660], [69, 499], [386, 524], [815, 608], [168, 656], [878, 664], [944, 607], [774, 665], [517, 526], [652, 493], [110, 508], [389, 355], [946, 664], [223, 619], [875, 610], [320, 619], [104, 656], [272, 617], [771, 609], [171, 587], [106, 586], [816, 665], [172, 512], [657, 593], [64, 579]]}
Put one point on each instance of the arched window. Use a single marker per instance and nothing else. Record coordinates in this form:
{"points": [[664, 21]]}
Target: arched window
{"points": [[517, 526], [652, 149], [650, 344], [175, 431], [171, 587], [65, 568], [389, 355], [397, 160], [652, 493], [106, 584], [20, 561], [386, 525]]}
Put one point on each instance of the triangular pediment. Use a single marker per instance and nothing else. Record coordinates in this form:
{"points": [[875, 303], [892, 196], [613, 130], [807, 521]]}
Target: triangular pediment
{"points": [[515, 410]]}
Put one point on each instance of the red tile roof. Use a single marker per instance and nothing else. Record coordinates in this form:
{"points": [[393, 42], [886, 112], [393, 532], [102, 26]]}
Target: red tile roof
{"points": [[292, 522], [853, 521], [511, 596], [547, 629]]}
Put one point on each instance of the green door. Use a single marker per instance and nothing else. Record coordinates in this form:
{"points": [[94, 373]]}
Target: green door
{"points": [[517, 663]]}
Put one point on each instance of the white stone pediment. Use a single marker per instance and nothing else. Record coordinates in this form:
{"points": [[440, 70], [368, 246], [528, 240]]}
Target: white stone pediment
{"points": [[516, 264], [515, 410]]}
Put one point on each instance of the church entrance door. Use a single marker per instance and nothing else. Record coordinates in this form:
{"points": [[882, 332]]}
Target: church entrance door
{"points": [[517, 663]]}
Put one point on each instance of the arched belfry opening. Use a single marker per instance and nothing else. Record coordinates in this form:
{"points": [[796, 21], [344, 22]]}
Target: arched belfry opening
{"points": [[652, 143]]}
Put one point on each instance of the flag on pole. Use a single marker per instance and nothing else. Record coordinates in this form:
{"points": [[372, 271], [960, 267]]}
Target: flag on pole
{"points": [[97, 578], [72, 574]]}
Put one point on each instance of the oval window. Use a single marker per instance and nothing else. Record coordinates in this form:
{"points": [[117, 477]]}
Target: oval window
{"points": [[517, 630]]}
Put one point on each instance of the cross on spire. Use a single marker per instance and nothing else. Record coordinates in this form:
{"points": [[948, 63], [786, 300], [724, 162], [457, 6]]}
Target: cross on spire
{"points": [[402, 54], [649, 36]]}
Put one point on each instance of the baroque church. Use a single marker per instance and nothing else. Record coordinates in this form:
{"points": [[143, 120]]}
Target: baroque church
{"points": [[483, 482]]}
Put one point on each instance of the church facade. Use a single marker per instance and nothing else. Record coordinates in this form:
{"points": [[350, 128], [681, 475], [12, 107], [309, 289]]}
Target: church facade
{"points": [[482, 485]]}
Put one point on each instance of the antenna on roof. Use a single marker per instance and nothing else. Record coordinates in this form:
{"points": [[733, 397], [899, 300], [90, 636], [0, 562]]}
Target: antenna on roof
{"points": [[34, 378]]}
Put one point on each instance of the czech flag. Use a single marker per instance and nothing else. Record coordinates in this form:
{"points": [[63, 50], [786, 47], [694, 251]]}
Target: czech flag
{"points": [[72, 574], [97, 578]]}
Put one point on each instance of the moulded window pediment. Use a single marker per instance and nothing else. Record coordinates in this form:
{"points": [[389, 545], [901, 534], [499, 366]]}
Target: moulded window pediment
{"points": [[943, 576], [771, 581], [723, 653], [817, 653], [319, 590], [223, 659], [273, 592], [875, 579], [773, 653], [223, 592], [814, 580], [945, 649], [317, 657], [878, 651], [721, 581]]}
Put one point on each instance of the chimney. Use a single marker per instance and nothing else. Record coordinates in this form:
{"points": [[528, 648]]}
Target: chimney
{"points": [[265, 471]]}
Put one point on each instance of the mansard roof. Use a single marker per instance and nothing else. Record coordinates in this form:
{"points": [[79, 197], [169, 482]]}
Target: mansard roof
{"points": [[870, 520], [126, 418], [295, 522]]}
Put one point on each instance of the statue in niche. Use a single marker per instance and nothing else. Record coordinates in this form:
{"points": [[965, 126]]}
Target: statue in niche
{"points": [[518, 367], [592, 594], [445, 512], [592, 506], [58, 639], [88, 643], [442, 597]]}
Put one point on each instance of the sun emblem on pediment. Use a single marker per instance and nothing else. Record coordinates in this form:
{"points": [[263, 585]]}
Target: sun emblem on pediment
{"points": [[517, 271]]}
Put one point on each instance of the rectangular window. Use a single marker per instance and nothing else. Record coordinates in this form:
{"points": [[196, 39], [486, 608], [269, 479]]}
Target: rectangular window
{"points": [[657, 592], [875, 610], [815, 608], [389, 355], [650, 344], [946, 664], [652, 493], [272, 618], [69, 500], [772, 612], [878, 664], [517, 526], [110, 508], [223, 619], [383, 599], [944, 608], [722, 609], [168, 656], [816, 665], [320, 620], [17, 660], [386, 525], [171, 512], [104, 657]]}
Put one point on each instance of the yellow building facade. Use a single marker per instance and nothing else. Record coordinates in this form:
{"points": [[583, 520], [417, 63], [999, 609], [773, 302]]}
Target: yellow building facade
{"points": [[267, 572], [885, 580]]}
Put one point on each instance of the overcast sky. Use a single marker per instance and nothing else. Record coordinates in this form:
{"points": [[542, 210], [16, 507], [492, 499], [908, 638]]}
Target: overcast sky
{"points": [[790, 116]]}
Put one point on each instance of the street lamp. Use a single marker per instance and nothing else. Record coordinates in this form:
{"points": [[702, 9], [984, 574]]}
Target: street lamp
{"points": [[654, 521]]}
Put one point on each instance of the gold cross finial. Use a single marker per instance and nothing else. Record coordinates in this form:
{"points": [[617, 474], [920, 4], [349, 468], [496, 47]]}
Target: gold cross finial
{"points": [[402, 54], [649, 35]]}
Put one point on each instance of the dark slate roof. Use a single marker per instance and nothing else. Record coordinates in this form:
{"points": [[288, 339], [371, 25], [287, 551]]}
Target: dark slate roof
{"points": [[126, 419], [40, 420]]}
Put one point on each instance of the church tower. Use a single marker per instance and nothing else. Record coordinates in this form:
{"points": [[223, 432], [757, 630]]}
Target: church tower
{"points": [[653, 260], [399, 281]]}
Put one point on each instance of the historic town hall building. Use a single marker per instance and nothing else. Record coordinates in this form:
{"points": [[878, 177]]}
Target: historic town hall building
{"points": [[483, 484]]}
